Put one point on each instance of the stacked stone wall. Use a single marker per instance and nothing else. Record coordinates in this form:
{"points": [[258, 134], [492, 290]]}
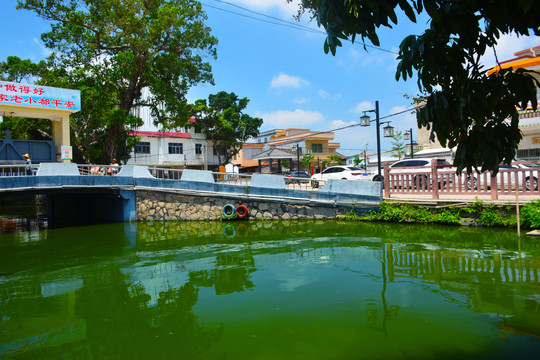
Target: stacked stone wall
{"points": [[161, 206]]}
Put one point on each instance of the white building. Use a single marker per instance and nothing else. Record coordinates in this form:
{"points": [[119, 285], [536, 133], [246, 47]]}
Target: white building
{"points": [[180, 148], [173, 149]]}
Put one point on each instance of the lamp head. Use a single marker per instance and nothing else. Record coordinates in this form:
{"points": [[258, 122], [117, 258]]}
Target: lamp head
{"points": [[364, 120], [388, 131]]}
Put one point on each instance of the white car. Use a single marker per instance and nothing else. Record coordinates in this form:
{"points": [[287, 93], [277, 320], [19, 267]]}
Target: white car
{"points": [[422, 166], [342, 172]]}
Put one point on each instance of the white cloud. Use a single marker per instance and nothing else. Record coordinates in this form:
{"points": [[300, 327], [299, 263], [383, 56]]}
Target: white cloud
{"points": [[357, 56], [44, 51], [284, 80], [301, 100], [404, 121], [326, 95], [506, 46], [363, 106], [340, 123], [352, 140], [287, 119], [323, 94]]}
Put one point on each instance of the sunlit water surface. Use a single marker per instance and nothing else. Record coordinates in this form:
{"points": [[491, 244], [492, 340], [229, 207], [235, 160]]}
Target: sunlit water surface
{"points": [[269, 290]]}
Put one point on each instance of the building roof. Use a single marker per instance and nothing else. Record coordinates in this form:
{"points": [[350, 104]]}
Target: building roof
{"points": [[276, 153], [433, 153], [524, 63], [161, 134], [307, 135]]}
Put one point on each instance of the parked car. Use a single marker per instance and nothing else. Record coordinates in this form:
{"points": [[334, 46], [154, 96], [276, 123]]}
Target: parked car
{"points": [[297, 177], [342, 172], [422, 167], [509, 179]]}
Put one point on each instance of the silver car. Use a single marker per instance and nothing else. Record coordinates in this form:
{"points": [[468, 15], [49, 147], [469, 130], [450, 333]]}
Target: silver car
{"points": [[509, 177]]}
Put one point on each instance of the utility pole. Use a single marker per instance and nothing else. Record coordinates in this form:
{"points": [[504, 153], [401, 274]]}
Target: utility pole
{"points": [[365, 160], [298, 157], [204, 157]]}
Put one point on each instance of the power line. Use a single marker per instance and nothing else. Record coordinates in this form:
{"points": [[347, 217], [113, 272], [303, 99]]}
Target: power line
{"points": [[358, 124], [262, 20], [281, 22], [348, 127]]}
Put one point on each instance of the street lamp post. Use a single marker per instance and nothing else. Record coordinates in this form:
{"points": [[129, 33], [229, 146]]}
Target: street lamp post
{"points": [[388, 131], [406, 136]]}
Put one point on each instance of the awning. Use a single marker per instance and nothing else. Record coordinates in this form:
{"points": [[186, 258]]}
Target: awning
{"points": [[525, 63], [276, 154]]}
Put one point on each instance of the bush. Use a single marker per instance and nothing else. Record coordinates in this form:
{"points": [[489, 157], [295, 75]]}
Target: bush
{"points": [[487, 215], [530, 214]]}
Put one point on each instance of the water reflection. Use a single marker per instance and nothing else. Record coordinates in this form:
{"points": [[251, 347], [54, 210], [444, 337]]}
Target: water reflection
{"points": [[279, 289]]}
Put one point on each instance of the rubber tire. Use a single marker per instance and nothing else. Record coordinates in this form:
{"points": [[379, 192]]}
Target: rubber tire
{"points": [[472, 183], [314, 184], [421, 181], [242, 211], [228, 207], [528, 183]]}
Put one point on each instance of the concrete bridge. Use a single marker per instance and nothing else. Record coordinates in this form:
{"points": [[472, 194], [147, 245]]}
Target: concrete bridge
{"points": [[82, 191]]}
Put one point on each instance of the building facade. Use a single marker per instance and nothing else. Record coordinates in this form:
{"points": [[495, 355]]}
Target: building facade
{"points": [[182, 147], [529, 119], [303, 142]]}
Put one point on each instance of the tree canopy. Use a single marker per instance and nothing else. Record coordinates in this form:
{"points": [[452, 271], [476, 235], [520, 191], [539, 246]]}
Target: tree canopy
{"points": [[225, 124], [464, 106], [111, 50]]}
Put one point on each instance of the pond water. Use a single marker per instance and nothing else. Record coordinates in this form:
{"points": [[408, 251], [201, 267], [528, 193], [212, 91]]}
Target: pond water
{"points": [[269, 290]]}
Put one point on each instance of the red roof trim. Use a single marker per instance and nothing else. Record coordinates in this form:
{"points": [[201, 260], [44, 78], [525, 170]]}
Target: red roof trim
{"points": [[161, 134]]}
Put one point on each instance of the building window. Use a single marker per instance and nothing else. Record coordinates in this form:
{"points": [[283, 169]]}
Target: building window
{"points": [[198, 149], [197, 130], [316, 148], [142, 148], [176, 148], [528, 154]]}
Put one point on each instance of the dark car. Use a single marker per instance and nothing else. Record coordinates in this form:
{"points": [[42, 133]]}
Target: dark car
{"points": [[297, 177]]}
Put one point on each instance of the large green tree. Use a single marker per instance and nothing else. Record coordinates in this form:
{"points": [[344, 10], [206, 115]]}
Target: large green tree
{"points": [[225, 124], [114, 49], [17, 70], [464, 106]]}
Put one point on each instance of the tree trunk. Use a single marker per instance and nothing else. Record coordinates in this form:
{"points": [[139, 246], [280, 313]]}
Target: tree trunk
{"points": [[109, 146]]}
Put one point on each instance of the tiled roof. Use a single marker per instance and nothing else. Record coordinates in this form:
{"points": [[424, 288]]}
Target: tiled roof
{"points": [[161, 134]]}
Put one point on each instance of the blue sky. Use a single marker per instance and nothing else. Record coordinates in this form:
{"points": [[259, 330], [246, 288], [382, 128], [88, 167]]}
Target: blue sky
{"points": [[285, 73]]}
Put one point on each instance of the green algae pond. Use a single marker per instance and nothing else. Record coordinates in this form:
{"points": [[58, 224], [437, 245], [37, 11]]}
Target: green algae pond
{"points": [[268, 290]]}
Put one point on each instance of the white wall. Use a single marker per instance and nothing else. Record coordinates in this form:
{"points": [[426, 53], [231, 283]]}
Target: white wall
{"points": [[159, 152]]}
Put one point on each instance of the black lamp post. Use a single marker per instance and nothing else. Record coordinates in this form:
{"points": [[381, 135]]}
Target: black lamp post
{"points": [[408, 135], [388, 131]]}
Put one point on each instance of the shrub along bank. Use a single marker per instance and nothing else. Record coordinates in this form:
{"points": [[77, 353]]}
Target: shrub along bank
{"points": [[475, 214]]}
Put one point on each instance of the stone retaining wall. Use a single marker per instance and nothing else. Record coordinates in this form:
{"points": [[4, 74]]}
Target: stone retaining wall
{"points": [[170, 206]]}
